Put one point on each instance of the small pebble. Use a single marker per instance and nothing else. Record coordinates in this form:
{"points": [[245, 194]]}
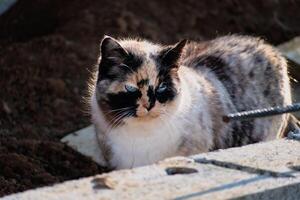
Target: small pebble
{"points": [[6, 108], [295, 135]]}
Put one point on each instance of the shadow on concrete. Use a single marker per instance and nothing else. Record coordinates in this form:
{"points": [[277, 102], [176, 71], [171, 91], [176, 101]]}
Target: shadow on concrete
{"points": [[262, 175], [286, 192], [250, 170]]}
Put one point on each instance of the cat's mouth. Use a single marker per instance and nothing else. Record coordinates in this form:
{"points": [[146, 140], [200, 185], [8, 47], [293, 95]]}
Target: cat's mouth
{"points": [[144, 113], [138, 114], [141, 119]]}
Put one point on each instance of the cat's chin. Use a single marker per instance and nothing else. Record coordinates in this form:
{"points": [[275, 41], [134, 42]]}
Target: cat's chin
{"points": [[142, 119], [146, 117]]}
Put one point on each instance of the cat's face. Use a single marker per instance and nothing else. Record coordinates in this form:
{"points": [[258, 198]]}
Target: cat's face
{"points": [[137, 80]]}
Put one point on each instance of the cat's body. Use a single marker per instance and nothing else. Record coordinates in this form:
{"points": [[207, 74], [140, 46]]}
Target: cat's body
{"points": [[180, 95]]}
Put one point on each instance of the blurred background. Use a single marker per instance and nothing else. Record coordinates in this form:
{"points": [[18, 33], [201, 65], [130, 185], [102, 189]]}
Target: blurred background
{"points": [[48, 47]]}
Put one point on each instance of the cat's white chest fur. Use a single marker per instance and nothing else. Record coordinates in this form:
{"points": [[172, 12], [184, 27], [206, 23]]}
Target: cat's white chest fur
{"points": [[133, 146]]}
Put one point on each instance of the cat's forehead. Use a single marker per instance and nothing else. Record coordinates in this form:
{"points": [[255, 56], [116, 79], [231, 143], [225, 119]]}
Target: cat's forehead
{"points": [[147, 53], [142, 48], [146, 75]]}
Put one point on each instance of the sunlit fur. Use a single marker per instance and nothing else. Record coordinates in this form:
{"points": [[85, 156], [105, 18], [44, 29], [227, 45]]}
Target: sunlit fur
{"points": [[208, 80]]}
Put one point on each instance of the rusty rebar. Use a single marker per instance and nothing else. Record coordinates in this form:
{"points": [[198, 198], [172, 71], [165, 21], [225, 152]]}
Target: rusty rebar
{"points": [[266, 112]]}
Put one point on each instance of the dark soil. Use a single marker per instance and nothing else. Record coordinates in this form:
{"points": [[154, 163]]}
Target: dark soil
{"points": [[48, 47]]}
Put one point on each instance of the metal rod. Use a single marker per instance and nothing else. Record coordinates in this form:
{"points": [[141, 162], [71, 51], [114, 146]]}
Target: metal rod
{"points": [[262, 112]]}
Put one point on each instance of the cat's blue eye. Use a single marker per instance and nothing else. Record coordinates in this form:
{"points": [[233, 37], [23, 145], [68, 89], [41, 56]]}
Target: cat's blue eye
{"points": [[162, 87], [130, 88]]}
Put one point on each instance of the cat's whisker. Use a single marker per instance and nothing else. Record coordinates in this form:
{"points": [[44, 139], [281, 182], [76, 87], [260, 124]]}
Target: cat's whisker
{"points": [[110, 128], [114, 116], [121, 116], [117, 122], [120, 109], [114, 121], [127, 114], [118, 113]]}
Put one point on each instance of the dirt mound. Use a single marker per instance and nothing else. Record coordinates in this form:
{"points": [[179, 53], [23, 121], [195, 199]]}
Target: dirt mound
{"points": [[31, 163]]}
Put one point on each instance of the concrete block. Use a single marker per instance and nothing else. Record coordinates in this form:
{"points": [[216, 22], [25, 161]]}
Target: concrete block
{"points": [[268, 170]]}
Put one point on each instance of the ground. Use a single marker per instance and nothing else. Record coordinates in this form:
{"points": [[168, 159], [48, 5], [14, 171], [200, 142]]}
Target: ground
{"points": [[49, 47]]}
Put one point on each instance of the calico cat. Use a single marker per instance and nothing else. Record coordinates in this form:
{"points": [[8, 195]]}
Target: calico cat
{"points": [[150, 102]]}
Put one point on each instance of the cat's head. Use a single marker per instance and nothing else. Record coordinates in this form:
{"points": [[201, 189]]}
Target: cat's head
{"points": [[137, 80]]}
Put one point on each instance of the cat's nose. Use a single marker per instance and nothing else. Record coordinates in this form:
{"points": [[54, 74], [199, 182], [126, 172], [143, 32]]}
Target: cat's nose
{"points": [[146, 105], [142, 111]]}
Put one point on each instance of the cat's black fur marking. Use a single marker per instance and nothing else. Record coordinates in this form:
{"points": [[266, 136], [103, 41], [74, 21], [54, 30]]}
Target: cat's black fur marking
{"points": [[129, 99], [109, 69], [218, 66], [266, 93], [151, 96], [123, 100], [134, 62], [165, 62], [251, 74], [170, 93], [143, 82], [241, 131], [215, 63]]}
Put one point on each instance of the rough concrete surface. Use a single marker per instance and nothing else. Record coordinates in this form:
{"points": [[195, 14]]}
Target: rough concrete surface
{"points": [[268, 170]]}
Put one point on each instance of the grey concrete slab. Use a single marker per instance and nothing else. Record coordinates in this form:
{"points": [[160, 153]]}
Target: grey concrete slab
{"points": [[268, 170]]}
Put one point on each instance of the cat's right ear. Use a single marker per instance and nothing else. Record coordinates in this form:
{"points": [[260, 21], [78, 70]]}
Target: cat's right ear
{"points": [[112, 55], [112, 50]]}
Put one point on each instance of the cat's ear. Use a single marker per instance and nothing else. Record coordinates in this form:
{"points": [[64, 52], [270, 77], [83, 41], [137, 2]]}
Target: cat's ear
{"points": [[112, 56], [112, 50], [172, 54]]}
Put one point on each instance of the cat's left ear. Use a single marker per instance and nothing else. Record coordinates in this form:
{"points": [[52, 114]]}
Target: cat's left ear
{"points": [[172, 54]]}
